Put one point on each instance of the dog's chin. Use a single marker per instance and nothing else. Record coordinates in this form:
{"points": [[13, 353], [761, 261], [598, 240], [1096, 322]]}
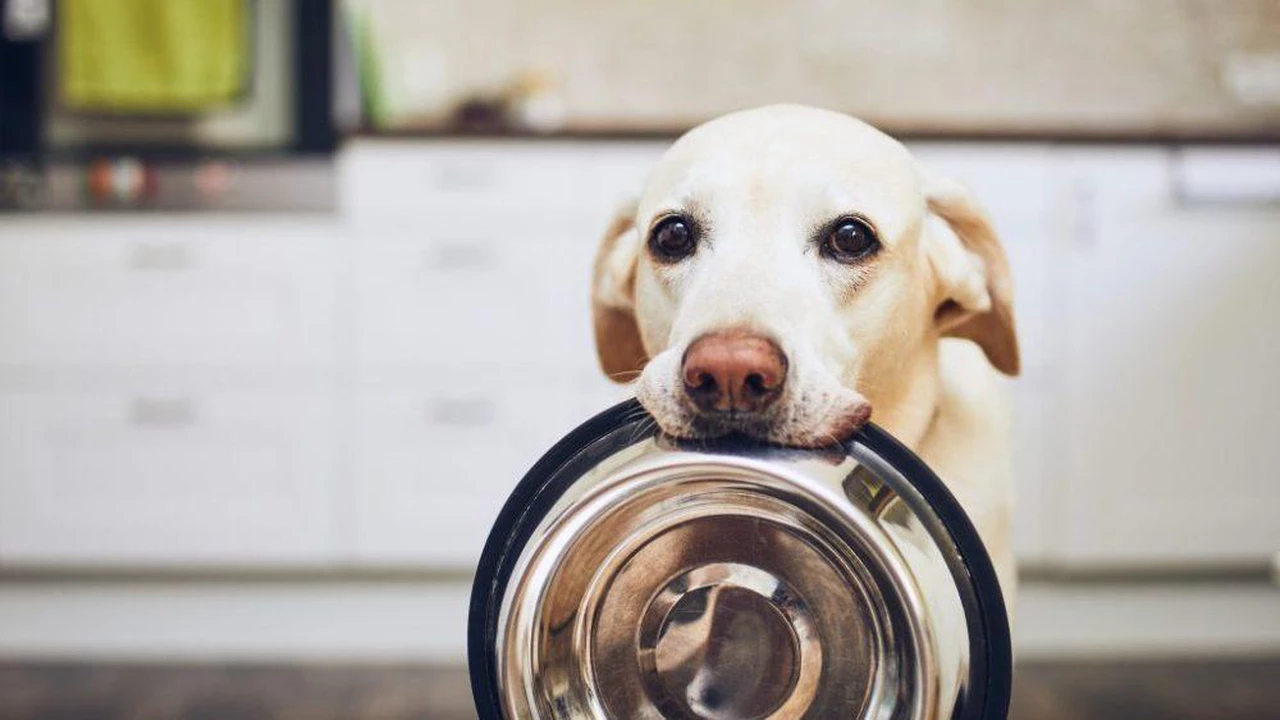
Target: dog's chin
{"points": [[772, 428]]}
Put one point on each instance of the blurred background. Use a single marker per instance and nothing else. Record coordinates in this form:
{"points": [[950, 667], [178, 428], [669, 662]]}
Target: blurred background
{"points": [[293, 291]]}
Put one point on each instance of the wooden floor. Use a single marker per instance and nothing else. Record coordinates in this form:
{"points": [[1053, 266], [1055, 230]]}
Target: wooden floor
{"points": [[1241, 690]]}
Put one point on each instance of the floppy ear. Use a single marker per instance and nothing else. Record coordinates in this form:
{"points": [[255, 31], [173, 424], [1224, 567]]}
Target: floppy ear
{"points": [[613, 295], [977, 288]]}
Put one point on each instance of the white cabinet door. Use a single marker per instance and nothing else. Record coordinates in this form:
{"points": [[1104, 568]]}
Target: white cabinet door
{"points": [[171, 476], [435, 462], [1172, 350], [166, 291]]}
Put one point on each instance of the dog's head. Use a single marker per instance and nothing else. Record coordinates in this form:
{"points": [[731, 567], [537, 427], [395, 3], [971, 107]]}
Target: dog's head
{"points": [[781, 271]]}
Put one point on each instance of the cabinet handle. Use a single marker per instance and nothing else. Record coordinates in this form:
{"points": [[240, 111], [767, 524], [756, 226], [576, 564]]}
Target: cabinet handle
{"points": [[160, 256], [464, 178], [462, 255], [462, 412], [1237, 177], [1084, 209], [163, 411]]}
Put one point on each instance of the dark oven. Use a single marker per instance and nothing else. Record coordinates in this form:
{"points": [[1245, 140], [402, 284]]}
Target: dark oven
{"points": [[150, 103]]}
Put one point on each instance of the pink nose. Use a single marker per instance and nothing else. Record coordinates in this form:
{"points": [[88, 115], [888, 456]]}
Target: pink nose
{"points": [[734, 371]]}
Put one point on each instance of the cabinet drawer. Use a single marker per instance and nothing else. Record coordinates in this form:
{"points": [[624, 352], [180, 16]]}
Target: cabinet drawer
{"points": [[435, 464], [387, 176], [471, 297], [142, 292], [171, 477]]}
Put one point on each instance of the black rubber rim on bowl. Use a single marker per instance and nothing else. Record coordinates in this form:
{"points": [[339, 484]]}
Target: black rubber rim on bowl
{"points": [[991, 672]]}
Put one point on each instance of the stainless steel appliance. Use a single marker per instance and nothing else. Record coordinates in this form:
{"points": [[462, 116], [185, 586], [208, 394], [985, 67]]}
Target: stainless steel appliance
{"points": [[631, 576]]}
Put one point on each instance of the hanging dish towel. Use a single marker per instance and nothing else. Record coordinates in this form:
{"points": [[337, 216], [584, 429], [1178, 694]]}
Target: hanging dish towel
{"points": [[152, 56]]}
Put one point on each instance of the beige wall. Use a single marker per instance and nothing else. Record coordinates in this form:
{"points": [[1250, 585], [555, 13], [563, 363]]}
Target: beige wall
{"points": [[1131, 66]]}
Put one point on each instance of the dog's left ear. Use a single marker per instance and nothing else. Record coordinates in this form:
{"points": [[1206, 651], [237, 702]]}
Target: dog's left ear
{"points": [[976, 287]]}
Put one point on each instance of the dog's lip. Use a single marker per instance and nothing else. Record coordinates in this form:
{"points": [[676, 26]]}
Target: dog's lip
{"points": [[716, 424], [765, 428]]}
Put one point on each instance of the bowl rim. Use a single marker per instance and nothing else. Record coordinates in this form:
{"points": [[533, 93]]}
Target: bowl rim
{"points": [[991, 655]]}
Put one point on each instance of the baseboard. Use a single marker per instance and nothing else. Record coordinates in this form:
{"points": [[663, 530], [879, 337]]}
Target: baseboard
{"points": [[399, 620]]}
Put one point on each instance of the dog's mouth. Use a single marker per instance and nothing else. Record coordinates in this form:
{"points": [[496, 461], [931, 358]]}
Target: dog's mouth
{"points": [[793, 429], [714, 425], [808, 414]]}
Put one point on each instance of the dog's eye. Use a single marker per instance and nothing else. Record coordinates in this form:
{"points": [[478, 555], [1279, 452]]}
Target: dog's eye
{"points": [[849, 239], [673, 239]]}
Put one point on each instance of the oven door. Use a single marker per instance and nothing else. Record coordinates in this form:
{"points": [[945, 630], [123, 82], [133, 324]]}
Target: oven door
{"points": [[114, 77]]}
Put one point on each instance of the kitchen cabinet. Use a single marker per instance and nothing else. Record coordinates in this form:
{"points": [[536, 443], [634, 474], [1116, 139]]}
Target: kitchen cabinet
{"points": [[365, 390], [1168, 433], [166, 390], [165, 476], [472, 340], [500, 292], [90, 294], [435, 461]]}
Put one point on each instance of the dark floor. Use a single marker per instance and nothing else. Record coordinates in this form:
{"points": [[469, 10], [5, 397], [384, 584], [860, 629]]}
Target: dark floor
{"points": [[1239, 690]]}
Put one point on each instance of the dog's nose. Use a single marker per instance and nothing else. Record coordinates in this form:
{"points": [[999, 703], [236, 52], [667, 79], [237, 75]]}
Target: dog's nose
{"points": [[734, 372]]}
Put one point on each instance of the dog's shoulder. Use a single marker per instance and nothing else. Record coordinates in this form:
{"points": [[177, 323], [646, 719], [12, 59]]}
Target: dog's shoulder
{"points": [[971, 390], [970, 430], [969, 445]]}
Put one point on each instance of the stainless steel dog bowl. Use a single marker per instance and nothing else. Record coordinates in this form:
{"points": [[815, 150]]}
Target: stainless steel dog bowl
{"points": [[632, 576]]}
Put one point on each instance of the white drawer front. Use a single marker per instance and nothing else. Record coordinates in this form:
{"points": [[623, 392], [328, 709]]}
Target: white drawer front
{"points": [[387, 176], [434, 465], [446, 297], [175, 292], [165, 477]]}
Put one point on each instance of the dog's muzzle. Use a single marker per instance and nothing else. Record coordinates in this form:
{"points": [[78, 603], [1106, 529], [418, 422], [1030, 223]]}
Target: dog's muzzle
{"points": [[629, 576]]}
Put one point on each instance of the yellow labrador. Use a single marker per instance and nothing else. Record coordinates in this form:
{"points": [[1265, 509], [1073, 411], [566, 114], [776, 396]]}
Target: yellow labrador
{"points": [[788, 270]]}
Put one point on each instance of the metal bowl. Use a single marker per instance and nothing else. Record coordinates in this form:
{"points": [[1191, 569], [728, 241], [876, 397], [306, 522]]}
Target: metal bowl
{"points": [[633, 576]]}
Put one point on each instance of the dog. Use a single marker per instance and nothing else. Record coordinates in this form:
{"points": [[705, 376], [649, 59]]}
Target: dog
{"points": [[787, 271]]}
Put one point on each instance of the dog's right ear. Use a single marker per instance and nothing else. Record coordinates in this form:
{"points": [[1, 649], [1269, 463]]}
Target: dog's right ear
{"points": [[613, 299]]}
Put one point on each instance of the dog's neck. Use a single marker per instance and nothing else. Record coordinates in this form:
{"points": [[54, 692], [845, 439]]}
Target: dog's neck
{"points": [[905, 401]]}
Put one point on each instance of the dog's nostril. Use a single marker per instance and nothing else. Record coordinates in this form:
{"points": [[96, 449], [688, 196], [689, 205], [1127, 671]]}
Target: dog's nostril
{"points": [[703, 382], [755, 384]]}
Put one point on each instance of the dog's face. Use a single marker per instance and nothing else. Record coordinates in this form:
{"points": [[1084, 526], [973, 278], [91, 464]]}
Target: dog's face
{"points": [[782, 268]]}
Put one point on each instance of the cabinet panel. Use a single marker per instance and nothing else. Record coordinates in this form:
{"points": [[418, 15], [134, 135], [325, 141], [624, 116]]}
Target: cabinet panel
{"points": [[177, 476], [1172, 349], [435, 463], [381, 178], [166, 291], [502, 293]]}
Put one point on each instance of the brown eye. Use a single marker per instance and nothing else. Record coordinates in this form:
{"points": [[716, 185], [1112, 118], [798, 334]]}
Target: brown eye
{"points": [[849, 240], [673, 239]]}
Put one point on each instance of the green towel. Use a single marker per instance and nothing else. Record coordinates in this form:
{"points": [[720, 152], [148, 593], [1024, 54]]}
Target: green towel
{"points": [[152, 56]]}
